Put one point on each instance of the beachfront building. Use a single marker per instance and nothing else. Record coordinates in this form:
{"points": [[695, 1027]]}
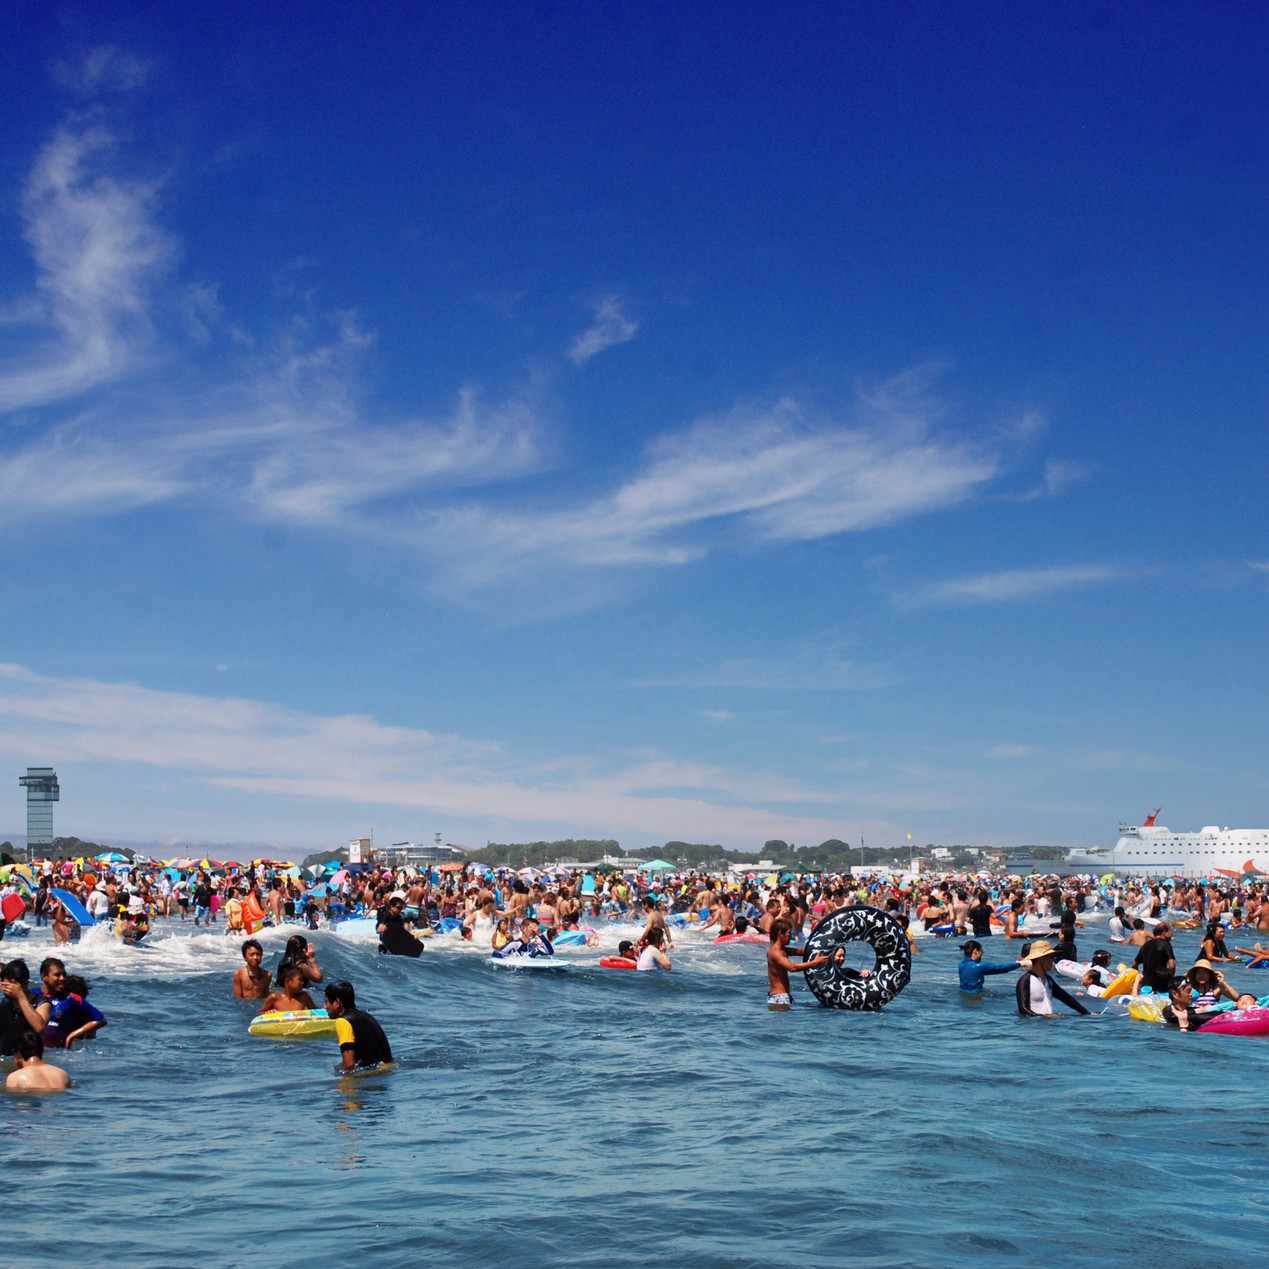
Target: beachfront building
{"points": [[41, 792], [405, 853]]}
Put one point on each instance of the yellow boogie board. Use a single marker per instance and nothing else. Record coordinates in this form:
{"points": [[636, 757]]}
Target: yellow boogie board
{"points": [[278, 1024]]}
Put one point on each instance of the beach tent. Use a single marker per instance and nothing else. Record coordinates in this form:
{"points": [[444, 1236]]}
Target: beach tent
{"points": [[658, 865]]}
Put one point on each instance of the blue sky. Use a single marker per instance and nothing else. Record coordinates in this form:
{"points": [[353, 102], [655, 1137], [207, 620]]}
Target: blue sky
{"points": [[716, 422]]}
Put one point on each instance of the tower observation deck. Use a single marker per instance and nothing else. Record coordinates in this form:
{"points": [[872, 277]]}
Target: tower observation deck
{"points": [[41, 792]]}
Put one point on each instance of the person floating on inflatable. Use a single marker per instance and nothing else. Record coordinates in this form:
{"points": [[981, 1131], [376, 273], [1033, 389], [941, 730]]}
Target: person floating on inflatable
{"points": [[1036, 990], [290, 995], [532, 942], [973, 970], [362, 1043], [394, 938], [779, 965]]}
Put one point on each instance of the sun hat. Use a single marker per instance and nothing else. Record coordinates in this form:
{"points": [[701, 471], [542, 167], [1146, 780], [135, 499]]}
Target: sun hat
{"points": [[1040, 949], [1201, 963]]}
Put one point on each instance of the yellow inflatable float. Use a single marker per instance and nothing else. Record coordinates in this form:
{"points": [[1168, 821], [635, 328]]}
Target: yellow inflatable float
{"points": [[279, 1024]]}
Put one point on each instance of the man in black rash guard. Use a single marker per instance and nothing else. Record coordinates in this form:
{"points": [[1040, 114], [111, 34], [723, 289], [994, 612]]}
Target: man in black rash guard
{"points": [[980, 916], [1036, 991], [394, 938], [1157, 960], [362, 1043]]}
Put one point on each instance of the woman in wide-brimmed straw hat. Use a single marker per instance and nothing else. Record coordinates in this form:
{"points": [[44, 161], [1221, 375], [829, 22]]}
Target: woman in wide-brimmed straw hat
{"points": [[1036, 991], [1209, 984]]}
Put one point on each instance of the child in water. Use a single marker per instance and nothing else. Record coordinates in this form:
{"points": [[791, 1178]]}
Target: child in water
{"points": [[291, 995], [251, 982]]}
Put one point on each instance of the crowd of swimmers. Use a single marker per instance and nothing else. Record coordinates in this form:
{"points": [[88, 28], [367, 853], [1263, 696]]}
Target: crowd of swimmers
{"points": [[515, 916]]}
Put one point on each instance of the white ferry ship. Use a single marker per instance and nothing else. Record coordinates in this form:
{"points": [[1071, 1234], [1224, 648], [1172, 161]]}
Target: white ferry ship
{"points": [[1151, 849]]}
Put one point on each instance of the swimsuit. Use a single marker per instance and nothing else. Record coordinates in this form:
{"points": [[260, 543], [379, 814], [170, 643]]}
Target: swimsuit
{"points": [[779, 998]]}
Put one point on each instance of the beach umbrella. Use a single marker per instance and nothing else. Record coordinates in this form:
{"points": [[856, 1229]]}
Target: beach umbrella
{"points": [[320, 889], [341, 875], [657, 865]]}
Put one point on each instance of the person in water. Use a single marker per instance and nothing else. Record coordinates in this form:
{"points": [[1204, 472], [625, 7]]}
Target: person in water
{"points": [[1209, 984], [251, 982], [780, 966], [1180, 1011], [394, 938], [290, 995], [17, 1012], [653, 956], [655, 920], [1036, 990], [299, 951], [532, 942], [1156, 960], [34, 1074], [67, 1015], [362, 1043], [1259, 955], [973, 970]]}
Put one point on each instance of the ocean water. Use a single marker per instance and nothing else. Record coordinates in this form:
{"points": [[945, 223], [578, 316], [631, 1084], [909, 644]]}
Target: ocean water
{"points": [[592, 1117]]}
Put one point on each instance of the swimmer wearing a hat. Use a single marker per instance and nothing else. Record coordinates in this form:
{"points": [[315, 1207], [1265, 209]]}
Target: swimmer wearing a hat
{"points": [[1209, 984], [1036, 990]]}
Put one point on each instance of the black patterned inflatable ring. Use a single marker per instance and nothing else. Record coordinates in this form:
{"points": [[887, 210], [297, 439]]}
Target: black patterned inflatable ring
{"points": [[843, 988]]}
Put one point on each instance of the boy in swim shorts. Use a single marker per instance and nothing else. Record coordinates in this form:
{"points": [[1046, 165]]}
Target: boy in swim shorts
{"points": [[780, 966]]}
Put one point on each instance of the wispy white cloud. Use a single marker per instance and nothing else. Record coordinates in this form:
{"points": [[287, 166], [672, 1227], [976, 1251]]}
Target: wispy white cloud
{"points": [[776, 476], [1059, 476], [610, 326], [1011, 585], [103, 69], [270, 750], [99, 254]]}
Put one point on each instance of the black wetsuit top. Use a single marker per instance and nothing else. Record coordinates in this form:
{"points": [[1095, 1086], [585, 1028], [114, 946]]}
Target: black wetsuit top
{"points": [[369, 1045], [980, 920], [396, 940], [12, 1025], [1152, 959]]}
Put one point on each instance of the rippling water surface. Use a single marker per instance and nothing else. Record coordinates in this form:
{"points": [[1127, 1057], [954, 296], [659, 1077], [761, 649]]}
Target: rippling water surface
{"points": [[591, 1117]]}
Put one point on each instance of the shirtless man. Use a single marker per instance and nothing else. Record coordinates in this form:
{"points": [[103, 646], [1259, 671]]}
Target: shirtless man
{"points": [[1012, 918], [655, 921], [34, 1075], [779, 965], [770, 915], [291, 995], [251, 982], [721, 917], [1140, 936]]}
